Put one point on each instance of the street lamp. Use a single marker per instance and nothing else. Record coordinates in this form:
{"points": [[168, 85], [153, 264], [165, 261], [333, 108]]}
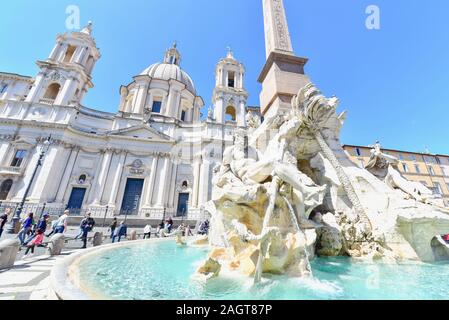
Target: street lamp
{"points": [[15, 222]]}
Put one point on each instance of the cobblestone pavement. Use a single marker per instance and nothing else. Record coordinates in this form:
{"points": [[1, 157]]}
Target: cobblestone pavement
{"points": [[29, 278]]}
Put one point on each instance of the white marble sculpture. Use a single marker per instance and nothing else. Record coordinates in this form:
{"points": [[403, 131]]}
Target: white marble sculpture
{"points": [[267, 200]]}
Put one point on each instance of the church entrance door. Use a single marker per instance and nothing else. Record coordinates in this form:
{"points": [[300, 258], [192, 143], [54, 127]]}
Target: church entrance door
{"points": [[132, 196], [183, 202], [76, 200]]}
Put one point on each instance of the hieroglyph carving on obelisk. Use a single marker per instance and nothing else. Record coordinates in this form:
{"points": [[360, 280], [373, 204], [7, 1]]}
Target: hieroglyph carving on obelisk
{"points": [[277, 37]]}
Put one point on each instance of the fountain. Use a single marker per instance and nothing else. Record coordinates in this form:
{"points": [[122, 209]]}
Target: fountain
{"points": [[266, 203], [292, 217]]}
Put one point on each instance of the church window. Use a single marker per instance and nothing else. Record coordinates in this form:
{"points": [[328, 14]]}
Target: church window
{"points": [[417, 169], [431, 171], [359, 153], [231, 79], [173, 60], [5, 188], [230, 114], [404, 166], [52, 91], [183, 115], [18, 158], [82, 179], [69, 53], [3, 88], [437, 188], [157, 106]]}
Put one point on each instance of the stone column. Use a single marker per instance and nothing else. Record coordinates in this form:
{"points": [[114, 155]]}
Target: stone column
{"points": [[54, 52], [150, 189], [27, 174], [170, 106], [35, 91], [204, 183], [62, 52], [173, 186], [241, 121], [67, 92], [67, 174], [196, 180], [3, 151], [81, 54], [100, 183], [219, 110], [162, 179], [117, 171], [48, 175], [141, 98]]}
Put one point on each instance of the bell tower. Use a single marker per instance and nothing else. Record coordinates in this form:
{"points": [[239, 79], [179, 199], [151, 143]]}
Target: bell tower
{"points": [[66, 75], [229, 96], [283, 73]]}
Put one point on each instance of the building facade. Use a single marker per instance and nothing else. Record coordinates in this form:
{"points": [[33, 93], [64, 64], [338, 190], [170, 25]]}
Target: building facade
{"points": [[154, 157], [432, 170]]}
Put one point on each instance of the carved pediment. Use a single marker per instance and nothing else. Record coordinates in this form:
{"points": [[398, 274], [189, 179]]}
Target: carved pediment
{"points": [[142, 132]]}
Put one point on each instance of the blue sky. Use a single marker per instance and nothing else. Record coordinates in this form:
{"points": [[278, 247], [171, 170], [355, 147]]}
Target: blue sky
{"points": [[393, 82]]}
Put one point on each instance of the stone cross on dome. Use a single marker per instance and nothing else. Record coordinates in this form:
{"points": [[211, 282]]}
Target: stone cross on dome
{"points": [[230, 54], [172, 55]]}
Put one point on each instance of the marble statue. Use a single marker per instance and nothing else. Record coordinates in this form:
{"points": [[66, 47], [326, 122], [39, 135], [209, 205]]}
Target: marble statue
{"points": [[267, 201], [385, 167]]}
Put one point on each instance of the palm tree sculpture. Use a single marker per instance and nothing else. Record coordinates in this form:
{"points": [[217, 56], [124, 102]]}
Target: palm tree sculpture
{"points": [[315, 111]]}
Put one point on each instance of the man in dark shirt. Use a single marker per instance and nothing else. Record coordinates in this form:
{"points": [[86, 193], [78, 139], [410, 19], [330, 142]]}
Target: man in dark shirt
{"points": [[87, 224], [120, 232], [4, 219]]}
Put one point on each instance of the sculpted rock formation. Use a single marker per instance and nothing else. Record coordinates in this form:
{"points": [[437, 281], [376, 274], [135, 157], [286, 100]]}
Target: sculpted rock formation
{"points": [[268, 195]]}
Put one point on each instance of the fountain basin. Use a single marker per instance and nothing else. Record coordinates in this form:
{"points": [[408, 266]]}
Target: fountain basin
{"points": [[159, 269]]}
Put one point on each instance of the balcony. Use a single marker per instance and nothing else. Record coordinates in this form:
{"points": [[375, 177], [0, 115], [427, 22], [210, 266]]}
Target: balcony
{"points": [[12, 171], [47, 101]]}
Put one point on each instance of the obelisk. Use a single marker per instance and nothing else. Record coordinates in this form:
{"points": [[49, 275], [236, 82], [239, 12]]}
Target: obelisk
{"points": [[283, 73]]}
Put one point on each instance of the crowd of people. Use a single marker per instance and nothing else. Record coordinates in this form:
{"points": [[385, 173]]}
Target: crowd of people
{"points": [[32, 231]]}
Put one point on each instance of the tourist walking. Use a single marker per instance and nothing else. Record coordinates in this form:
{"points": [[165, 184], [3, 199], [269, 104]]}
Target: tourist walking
{"points": [[120, 232], [61, 223], [113, 226], [3, 219], [160, 227], [25, 228], [204, 228], [147, 232], [169, 225], [37, 241], [41, 225], [53, 228], [87, 225]]}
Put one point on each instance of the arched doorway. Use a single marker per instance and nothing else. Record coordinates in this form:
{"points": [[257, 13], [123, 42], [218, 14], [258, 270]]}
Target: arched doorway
{"points": [[5, 187]]}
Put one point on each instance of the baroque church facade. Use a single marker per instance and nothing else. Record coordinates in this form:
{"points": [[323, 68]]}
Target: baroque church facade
{"points": [[153, 158]]}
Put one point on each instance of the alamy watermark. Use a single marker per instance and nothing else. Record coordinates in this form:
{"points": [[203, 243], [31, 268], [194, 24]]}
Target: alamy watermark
{"points": [[372, 21]]}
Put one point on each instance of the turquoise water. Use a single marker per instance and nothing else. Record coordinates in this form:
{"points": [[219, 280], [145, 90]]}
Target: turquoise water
{"points": [[163, 270]]}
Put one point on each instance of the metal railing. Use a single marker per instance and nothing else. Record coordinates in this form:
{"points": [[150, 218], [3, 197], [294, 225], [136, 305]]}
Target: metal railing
{"points": [[103, 212]]}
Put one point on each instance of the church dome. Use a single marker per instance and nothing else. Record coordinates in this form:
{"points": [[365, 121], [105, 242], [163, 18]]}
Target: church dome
{"points": [[168, 71]]}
